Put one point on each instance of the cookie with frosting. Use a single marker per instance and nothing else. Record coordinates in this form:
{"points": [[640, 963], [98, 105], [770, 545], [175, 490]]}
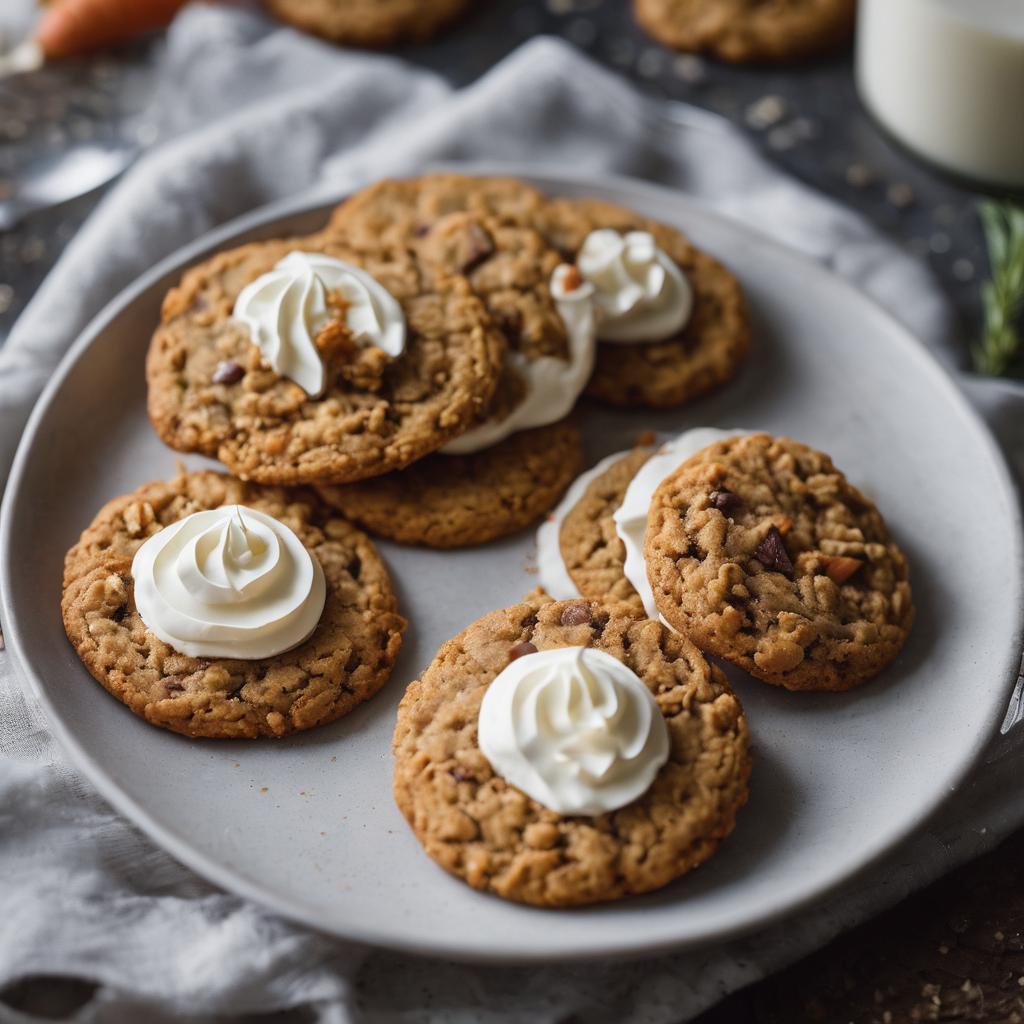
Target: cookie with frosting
{"points": [[671, 320], [592, 544], [457, 501], [217, 608], [565, 753], [396, 210], [371, 23], [484, 228], [579, 553], [311, 360], [763, 552]]}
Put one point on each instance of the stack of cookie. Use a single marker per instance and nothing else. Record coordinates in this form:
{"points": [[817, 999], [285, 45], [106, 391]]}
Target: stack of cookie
{"points": [[755, 547], [554, 276], [413, 368]]}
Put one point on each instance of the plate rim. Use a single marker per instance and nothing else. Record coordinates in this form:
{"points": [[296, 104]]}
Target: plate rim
{"points": [[310, 203]]}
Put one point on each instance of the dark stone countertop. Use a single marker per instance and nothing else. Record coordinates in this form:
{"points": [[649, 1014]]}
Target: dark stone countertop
{"points": [[806, 119]]}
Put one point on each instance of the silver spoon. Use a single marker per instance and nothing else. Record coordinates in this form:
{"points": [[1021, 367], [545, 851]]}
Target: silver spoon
{"points": [[64, 176], [51, 175]]}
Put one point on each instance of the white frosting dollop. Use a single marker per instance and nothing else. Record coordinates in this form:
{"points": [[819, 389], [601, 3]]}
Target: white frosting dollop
{"points": [[231, 582], [573, 728], [551, 570], [631, 516], [286, 308], [638, 289], [551, 385]]}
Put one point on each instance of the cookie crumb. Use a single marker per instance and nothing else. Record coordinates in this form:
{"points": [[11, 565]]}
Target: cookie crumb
{"points": [[765, 112], [859, 175], [900, 195], [690, 69]]}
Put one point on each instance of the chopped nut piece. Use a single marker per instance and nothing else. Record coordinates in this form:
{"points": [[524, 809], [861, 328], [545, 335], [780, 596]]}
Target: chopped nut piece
{"points": [[479, 247], [334, 338], [572, 278], [839, 568], [137, 517]]}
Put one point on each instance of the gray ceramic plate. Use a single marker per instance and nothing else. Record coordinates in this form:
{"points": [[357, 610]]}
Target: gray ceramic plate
{"points": [[307, 826]]}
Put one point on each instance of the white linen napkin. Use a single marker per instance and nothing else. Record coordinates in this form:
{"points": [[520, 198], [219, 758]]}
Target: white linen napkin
{"points": [[255, 114]]}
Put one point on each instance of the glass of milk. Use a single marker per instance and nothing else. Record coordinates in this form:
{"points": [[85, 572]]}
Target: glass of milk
{"points": [[946, 78]]}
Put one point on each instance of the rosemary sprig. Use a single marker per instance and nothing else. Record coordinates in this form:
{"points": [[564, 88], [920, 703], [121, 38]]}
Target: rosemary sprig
{"points": [[1003, 296]]}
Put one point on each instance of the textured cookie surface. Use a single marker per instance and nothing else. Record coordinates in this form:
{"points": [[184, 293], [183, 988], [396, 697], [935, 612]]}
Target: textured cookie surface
{"points": [[377, 414], [593, 554], [749, 30], [480, 228], [396, 209], [493, 836], [659, 374], [369, 22], [453, 501], [346, 660], [763, 553]]}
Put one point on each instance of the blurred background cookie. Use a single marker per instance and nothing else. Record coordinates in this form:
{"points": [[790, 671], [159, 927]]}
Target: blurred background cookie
{"points": [[749, 31], [376, 23]]}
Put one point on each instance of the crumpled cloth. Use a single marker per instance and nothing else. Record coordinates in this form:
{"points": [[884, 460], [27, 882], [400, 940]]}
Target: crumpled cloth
{"points": [[253, 114]]}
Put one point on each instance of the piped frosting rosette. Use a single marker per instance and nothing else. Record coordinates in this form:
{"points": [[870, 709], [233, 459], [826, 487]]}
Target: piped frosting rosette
{"points": [[575, 729], [630, 517], [286, 308], [231, 582], [624, 289]]}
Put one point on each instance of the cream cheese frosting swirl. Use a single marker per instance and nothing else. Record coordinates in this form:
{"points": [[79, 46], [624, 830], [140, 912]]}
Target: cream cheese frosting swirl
{"points": [[230, 582], [552, 385], [552, 574], [286, 308], [638, 289], [573, 728]]}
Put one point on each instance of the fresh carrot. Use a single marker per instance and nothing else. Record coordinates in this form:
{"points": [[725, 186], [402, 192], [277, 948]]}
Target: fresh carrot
{"points": [[71, 28]]}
